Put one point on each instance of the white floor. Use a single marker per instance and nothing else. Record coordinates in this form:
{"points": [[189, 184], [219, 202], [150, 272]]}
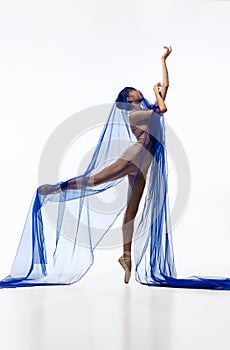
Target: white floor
{"points": [[101, 312]]}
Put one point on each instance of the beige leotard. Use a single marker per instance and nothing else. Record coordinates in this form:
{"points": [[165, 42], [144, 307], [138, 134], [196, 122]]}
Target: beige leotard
{"points": [[139, 153]]}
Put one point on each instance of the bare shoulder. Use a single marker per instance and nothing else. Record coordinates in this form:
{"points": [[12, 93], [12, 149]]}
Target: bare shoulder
{"points": [[139, 115]]}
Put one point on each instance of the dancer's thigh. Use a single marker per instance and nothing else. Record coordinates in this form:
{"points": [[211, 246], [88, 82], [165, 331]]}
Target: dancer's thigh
{"points": [[114, 171], [136, 189]]}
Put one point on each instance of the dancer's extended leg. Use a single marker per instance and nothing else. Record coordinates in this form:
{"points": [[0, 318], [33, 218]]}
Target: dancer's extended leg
{"points": [[118, 169]]}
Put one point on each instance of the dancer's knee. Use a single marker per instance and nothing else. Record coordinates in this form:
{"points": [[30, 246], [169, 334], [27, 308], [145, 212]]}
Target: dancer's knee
{"points": [[92, 181]]}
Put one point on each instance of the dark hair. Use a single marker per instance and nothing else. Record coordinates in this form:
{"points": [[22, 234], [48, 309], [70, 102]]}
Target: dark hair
{"points": [[121, 101]]}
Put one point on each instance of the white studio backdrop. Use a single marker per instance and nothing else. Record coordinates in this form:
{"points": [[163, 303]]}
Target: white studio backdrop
{"points": [[58, 58]]}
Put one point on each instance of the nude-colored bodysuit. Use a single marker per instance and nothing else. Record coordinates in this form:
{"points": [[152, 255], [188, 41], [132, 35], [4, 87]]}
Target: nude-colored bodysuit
{"points": [[139, 153]]}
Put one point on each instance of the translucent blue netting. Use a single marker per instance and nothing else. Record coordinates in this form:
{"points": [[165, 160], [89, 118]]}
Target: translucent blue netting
{"points": [[63, 228]]}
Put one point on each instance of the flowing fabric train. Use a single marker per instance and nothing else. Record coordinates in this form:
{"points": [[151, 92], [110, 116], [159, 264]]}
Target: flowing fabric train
{"points": [[62, 229]]}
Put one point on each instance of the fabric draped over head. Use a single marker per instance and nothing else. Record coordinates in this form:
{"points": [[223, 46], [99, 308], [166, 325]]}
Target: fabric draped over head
{"points": [[63, 227]]}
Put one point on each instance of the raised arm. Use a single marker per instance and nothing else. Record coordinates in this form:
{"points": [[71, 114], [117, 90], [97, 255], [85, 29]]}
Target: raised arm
{"points": [[160, 101], [165, 84], [140, 115]]}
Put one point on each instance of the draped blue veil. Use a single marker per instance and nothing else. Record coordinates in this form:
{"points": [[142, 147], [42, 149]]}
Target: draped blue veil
{"points": [[63, 225]]}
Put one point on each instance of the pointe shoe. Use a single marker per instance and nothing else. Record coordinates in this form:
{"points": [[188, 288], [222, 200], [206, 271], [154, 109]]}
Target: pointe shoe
{"points": [[126, 263], [49, 189]]}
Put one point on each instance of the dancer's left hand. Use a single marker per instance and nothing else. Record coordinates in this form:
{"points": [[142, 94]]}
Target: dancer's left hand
{"points": [[167, 52], [157, 87]]}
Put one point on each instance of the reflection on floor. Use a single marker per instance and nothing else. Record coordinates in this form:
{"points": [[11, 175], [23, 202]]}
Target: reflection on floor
{"points": [[101, 312]]}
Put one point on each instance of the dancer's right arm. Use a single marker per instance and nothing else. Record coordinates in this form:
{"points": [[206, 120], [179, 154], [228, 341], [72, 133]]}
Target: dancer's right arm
{"points": [[140, 115], [160, 102]]}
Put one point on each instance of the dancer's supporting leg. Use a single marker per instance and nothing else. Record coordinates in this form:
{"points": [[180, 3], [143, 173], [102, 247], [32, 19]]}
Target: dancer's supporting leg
{"points": [[132, 208], [137, 185]]}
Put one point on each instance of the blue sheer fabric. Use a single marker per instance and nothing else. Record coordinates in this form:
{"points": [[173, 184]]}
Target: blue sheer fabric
{"points": [[63, 227]]}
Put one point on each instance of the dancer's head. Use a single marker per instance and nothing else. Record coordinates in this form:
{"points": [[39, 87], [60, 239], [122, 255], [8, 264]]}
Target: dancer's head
{"points": [[127, 96]]}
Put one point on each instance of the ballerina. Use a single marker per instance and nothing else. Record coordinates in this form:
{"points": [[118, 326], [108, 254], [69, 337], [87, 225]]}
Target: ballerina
{"points": [[58, 240], [129, 161]]}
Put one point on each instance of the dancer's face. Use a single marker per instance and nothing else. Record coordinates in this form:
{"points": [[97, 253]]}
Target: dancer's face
{"points": [[135, 96]]}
